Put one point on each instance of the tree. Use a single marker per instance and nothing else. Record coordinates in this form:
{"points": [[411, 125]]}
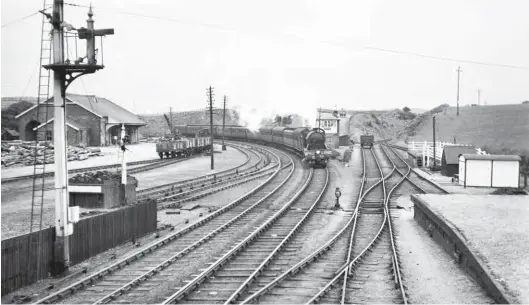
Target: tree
{"points": [[8, 116], [406, 109]]}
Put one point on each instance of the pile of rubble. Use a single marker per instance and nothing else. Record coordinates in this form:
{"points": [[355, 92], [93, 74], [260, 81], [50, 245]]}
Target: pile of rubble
{"points": [[24, 152], [94, 177]]}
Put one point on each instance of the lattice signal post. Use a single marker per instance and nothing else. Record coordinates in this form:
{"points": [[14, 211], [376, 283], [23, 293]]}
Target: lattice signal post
{"points": [[64, 73]]}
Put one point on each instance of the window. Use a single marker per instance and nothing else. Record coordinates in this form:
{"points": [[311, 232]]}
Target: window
{"points": [[49, 135]]}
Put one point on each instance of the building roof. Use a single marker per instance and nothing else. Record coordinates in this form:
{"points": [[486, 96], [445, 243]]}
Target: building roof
{"points": [[492, 157], [452, 152], [11, 132], [326, 116], [69, 122], [100, 107]]}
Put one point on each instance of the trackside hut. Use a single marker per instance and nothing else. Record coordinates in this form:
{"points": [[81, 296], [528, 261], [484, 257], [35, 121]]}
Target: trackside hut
{"points": [[450, 158], [489, 170]]}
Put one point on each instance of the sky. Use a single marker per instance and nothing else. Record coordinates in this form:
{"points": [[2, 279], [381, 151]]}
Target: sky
{"points": [[291, 56]]}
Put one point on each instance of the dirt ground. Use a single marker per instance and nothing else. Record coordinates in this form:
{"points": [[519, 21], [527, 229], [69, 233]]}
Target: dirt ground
{"points": [[191, 168], [16, 206], [137, 152], [429, 273], [497, 228]]}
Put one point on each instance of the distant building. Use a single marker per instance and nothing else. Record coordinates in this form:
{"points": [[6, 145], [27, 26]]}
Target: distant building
{"points": [[9, 135], [335, 127], [91, 121], [450, 158]]}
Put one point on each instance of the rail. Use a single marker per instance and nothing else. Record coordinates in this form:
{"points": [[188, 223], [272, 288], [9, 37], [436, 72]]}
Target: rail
{"points": [[316, 254], [53, 298], [202, 276], [175, 257]]}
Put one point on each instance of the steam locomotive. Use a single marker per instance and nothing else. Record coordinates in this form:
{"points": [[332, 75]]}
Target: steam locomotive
{"points": [[308, 143]]}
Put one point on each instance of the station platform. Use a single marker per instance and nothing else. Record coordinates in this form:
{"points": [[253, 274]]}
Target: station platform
{"points": [[487, 235]]}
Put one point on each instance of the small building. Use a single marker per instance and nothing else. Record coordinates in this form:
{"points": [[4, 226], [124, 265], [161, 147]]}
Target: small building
{"points": [[489, 170], [9, 135], [91, 120], [334, 125], [450, 158]]}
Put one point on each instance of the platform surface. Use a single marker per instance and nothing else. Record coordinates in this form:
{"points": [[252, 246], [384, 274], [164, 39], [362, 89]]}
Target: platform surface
{"points": [[496, 228]]}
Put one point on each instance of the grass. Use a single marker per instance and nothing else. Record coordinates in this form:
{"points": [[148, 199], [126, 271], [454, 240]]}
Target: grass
{"points": [[499, 128]]}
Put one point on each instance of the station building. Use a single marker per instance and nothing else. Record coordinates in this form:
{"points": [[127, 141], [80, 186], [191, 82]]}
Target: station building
{"points": [[90, 120]]}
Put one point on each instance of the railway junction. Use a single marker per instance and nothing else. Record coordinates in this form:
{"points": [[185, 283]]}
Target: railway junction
{"points": [[265, 227], [279, 213]]}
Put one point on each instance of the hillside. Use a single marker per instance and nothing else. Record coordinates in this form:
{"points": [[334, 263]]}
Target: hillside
{"points": [[496, 128], [381, 124], [157, 126]]}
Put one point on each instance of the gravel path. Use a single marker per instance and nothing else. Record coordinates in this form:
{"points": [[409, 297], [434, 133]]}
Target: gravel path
{"points": [[497, 228], [430, 275]]}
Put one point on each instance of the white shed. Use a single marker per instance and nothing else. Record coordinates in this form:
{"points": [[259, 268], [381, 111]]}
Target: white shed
{"points": [[489, 170]]}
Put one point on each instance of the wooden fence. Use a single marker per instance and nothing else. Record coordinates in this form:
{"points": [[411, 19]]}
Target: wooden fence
{"points": [[91, 236]]}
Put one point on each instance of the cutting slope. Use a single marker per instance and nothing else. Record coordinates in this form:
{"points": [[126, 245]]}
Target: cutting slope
{"points": [[497, 127]]}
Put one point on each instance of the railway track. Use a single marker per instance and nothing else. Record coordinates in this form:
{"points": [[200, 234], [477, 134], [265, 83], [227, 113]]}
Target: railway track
{"points": [[417, 181], [148, 268], [230, 276], [254, 161], [304, 279]]}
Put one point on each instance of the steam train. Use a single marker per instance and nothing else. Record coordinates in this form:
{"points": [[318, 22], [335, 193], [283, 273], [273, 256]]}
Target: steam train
{"points": [[308, 143]]}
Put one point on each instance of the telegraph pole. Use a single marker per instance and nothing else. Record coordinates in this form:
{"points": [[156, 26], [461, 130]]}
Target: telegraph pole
{"points": [[479, 96], [434, 142], [210, 95], [458, 72], [224, 123], [63, 75]]}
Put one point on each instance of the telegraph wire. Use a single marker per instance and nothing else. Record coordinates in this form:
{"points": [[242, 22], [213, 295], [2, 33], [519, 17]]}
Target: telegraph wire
{"points": [[20, 19], [328, 42]]}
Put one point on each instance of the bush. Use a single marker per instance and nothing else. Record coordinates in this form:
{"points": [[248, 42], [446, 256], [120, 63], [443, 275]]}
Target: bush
{"points": [[406, 109]]}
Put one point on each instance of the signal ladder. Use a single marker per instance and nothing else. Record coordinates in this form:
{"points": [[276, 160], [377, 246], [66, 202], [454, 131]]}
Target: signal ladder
{"points": [[41, 134]]}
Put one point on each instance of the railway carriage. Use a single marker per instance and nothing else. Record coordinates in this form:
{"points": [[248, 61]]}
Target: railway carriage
{"points": [[277, 135], [310, 143], [266, 134]]}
